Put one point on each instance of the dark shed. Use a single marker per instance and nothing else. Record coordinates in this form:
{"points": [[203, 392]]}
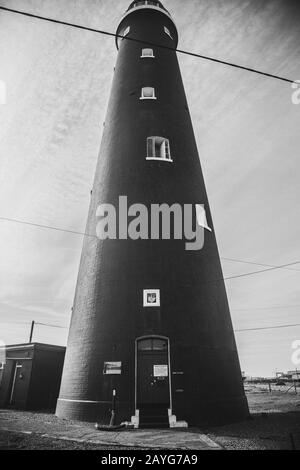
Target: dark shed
{"points": [[30, 375]]}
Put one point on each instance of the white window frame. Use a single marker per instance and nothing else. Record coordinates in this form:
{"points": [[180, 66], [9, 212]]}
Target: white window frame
{"points": [[145, 56], [151, 143], [143, 97], [168, 32], [126, 31], [145, 2]]}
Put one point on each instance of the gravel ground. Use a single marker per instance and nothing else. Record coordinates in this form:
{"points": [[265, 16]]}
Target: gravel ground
{"points": [[38, 423], [274, 422], [270, 431]]}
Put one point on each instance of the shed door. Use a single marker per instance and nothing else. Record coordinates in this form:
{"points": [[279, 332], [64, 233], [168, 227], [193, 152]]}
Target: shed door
{"points": [[153, 372], [17, 387]]}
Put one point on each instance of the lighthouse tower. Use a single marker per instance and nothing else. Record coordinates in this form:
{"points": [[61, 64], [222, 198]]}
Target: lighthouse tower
{"points": [[151, 336]]}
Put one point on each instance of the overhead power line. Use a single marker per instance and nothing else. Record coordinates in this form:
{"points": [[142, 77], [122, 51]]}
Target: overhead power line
{"points": [[141, 41], [49, 227], [234, 260], [238, 330], [291, 325], [268, 327], [29, 322], [75, 232], [262, 270], [272, 307], [49, 324]]}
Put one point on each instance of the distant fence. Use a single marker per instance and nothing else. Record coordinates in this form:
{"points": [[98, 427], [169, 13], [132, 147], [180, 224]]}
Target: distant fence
{"points": [[286, 386]]}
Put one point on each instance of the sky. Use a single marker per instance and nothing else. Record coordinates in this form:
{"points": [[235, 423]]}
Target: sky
{"points": [[247, 130]]}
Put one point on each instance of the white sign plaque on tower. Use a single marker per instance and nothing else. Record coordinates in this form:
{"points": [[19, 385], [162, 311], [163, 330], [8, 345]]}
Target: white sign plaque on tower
{"points": [[151, 298], [112, 368]]}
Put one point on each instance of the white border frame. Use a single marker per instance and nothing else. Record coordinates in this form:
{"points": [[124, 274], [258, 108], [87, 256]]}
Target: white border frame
{"points": [[160, 159], [151, 291], [125, 33], [142, 97], [168, 33], [147, 56]]}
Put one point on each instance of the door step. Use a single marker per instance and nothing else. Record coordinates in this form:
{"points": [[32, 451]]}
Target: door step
{"points": [[154, 426], [155, 417]]}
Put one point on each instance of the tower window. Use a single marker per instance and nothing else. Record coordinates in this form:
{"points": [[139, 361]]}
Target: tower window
{"points": [[158, 148], [148, 93], [167, 32], [147, 53], [145, 2], [125, 32], [152, 344]]}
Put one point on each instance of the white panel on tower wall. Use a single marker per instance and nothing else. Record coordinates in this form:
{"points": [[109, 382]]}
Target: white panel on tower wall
{"points": [[151, 298]]}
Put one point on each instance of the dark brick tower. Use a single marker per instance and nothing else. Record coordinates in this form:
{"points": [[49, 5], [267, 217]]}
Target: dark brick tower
{"points": [[151, 320]]}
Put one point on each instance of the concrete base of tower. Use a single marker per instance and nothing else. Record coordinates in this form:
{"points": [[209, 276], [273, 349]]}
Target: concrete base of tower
{"points": [[201, 413], [92, 411]]}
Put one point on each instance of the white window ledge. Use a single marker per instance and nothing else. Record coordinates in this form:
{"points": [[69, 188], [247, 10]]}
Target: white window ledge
{"points": [[148, 98], [147, 56], [160, 159]]}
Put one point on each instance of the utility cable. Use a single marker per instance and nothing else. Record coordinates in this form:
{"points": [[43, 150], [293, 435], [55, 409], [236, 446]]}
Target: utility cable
{"points": [[141, 41]]}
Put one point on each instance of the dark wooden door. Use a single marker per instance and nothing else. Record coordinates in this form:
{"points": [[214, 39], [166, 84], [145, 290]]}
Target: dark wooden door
{"points": [[153, 375], [16, 396]]}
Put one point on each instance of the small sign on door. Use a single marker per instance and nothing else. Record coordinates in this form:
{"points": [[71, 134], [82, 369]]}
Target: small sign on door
{"points": [[160, 370]]}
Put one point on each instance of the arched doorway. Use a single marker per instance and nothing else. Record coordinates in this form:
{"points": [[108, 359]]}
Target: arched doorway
{"points": [[153, 385]]}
